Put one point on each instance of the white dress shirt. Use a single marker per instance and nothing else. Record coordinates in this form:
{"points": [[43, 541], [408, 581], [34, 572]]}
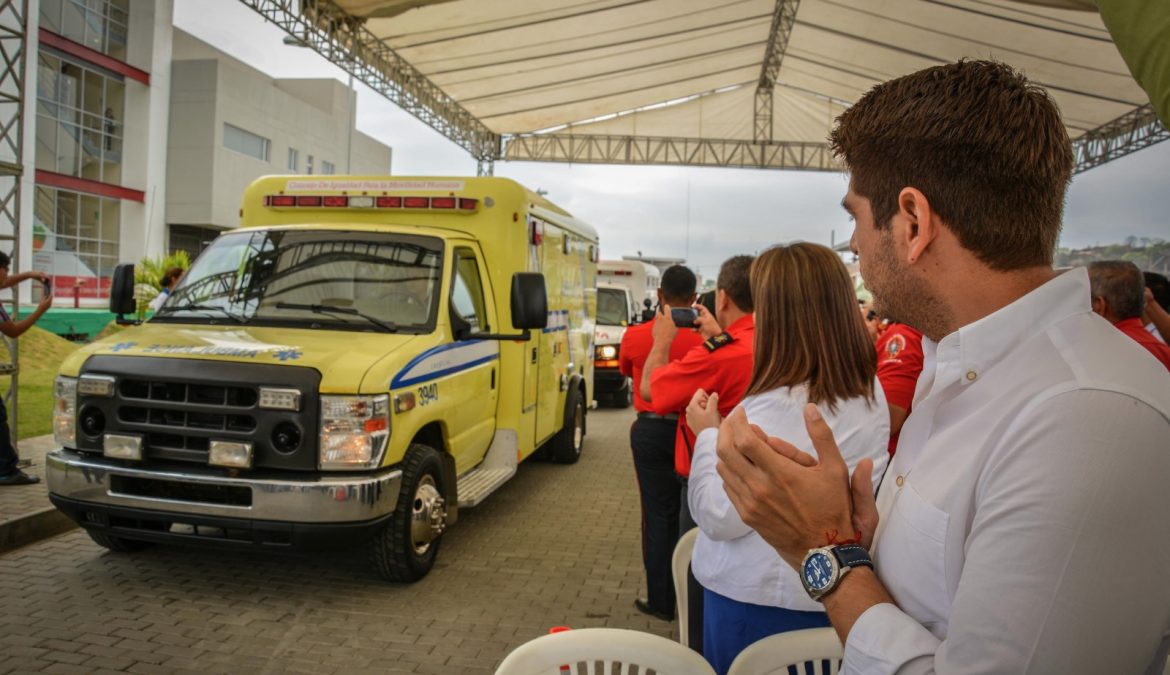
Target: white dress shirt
{"points": [[1023, 518], [729, 557]]}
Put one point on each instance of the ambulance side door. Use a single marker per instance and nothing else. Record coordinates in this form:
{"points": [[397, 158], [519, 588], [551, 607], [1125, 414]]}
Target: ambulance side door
{"points": [[472, 393]]}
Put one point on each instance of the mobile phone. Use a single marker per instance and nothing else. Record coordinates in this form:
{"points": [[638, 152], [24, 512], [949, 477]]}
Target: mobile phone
{"points": [[48, 286], [684, 317]]}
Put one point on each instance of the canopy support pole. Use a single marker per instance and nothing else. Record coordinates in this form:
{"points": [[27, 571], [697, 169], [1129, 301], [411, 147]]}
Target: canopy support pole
{"points": [[783, 18]]}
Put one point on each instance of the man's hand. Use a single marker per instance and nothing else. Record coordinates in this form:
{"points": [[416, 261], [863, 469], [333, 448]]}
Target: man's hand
{"points": [[45, 303], [664, 330], [793, 501], [706, 324], [703, 411]]}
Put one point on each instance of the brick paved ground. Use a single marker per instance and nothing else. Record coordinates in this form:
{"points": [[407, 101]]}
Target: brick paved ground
{"points": [[18, 501], [557, 545]]}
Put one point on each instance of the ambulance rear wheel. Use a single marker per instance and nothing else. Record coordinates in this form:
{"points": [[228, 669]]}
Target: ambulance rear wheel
{"points": [[566, 445], [405, 548]]}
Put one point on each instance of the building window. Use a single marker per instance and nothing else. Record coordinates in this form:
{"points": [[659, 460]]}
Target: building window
{"points": [[191, 238], [246, 142], [327, 168], [79, 120], [294, 160], [309, 165], [75, 240], [97, 24]]}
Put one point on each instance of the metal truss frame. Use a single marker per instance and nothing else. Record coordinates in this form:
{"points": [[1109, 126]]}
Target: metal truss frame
{"points": [[13, 54], [344, 40], [607, 149], [1131, 132], [783, 18]]}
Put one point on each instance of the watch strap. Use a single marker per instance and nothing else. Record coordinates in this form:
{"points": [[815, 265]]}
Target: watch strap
{"points": [[852, 555]]}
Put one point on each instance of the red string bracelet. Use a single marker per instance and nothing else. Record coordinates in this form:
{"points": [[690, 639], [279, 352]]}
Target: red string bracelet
{"points": [[832, 540]]}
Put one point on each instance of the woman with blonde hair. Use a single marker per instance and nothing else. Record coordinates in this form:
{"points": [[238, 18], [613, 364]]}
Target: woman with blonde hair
{"points": [[811, 346]]}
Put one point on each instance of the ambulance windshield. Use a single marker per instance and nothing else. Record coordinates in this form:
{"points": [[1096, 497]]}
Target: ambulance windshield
{"points": [[612, 309], [339, 280]]}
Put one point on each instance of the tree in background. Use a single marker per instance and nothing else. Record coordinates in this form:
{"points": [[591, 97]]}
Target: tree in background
{"points": [[148, 276]]}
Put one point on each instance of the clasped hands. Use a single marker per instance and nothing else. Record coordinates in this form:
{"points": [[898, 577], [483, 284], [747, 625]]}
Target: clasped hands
{"points": [[794, 501]]}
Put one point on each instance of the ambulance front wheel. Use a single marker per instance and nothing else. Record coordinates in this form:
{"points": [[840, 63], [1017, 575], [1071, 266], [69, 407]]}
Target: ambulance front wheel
{"points": [[566, 445], [406, 547]]}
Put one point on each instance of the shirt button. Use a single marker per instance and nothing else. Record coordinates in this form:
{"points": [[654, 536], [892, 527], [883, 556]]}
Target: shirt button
{"points": [[971, 375], [900, 480]]}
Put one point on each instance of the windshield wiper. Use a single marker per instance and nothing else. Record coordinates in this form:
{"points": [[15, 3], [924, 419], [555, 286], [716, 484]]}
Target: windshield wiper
{"points": [[334, 309], [199, 307]]}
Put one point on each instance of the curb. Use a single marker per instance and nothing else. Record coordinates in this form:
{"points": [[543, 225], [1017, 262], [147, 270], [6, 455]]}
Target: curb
{"points": [[33, 527]]}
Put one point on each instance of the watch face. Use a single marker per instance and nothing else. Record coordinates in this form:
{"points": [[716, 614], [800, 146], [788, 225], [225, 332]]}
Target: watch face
{"points": [[818, 571]]}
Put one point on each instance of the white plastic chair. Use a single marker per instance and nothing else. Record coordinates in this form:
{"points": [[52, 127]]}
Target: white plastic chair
{"points": [[679, 563], [603, 651], [815, 647]]}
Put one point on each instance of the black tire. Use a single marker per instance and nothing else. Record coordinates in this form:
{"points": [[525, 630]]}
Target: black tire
{"points": [[566, 445], [398, 551], [118, 544]]}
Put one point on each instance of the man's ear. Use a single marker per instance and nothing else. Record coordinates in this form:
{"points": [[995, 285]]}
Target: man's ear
{"points": [[922, 223]]}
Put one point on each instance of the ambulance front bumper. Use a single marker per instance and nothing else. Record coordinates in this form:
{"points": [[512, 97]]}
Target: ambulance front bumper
{"points": [[109, 495]]}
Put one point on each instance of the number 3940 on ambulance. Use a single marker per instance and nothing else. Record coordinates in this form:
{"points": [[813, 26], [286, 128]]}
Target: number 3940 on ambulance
{"points": [[361, 358]]}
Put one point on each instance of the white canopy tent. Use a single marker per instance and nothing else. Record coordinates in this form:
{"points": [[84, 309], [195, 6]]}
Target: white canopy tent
{"points": [[749, 83]]}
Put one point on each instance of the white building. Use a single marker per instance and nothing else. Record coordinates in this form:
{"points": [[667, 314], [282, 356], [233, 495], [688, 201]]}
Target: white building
{"points": [[231, 124], [131, 126]]}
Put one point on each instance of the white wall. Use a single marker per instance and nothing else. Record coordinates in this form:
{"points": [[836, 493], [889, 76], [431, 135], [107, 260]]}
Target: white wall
{"points": [[210, 89]]}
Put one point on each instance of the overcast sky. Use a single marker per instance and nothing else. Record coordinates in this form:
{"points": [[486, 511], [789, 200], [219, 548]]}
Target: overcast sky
{"points": [[645, 208]]}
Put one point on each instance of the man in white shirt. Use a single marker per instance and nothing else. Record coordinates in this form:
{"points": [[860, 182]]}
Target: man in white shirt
{"points": [[1020, 528]]}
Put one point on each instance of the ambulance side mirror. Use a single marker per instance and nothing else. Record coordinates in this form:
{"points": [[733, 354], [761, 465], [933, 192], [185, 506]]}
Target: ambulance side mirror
{"points": [[122, 294], [529, 301]]}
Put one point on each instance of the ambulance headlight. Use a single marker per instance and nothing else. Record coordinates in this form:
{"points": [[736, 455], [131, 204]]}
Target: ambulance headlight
{"points": [[354, 431], [606, 352], [65, 412]]}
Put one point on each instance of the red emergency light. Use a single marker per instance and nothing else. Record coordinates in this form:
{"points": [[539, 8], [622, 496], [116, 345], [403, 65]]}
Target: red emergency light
{"points": [[536, 232], [462, 204]]}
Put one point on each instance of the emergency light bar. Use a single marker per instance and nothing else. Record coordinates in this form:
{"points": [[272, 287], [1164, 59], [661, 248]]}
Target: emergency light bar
{"points": [[369, 202]]}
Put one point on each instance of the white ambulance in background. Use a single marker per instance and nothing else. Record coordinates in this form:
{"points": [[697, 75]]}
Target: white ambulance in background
{"points": [[626, 290]]}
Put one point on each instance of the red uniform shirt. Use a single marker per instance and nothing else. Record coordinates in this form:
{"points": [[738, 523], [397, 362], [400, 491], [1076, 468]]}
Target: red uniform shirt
{"points": [[716, 366], [899, 355], [1137, 331], [636, 344]]}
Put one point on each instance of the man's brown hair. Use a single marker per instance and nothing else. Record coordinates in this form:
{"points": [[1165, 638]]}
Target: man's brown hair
{"points": [[808, 329], [986, 147], [734, 280]]}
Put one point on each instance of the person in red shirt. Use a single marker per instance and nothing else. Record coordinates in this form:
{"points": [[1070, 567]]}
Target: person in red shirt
{"points": [[722, 364], [652, 443], [1118, 291], [899, 354]]}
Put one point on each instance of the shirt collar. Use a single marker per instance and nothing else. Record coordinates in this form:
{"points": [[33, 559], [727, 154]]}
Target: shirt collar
{"points": [[743, 323], [971, 350]]}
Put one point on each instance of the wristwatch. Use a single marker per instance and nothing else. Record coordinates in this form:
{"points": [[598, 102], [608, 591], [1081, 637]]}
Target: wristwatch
{"points": [[823, 568]]}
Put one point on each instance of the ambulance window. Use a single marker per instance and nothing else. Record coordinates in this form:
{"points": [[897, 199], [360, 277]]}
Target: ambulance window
{"points": [[467, 291]]}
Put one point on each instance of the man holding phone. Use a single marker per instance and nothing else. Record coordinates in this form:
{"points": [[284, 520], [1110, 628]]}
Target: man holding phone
{"points": [[9, 473], [722, 363], [652, 442]]}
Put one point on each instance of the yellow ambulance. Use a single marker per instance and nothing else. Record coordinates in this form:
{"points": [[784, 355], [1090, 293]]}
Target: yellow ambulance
{"points": [[361, 358]]}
